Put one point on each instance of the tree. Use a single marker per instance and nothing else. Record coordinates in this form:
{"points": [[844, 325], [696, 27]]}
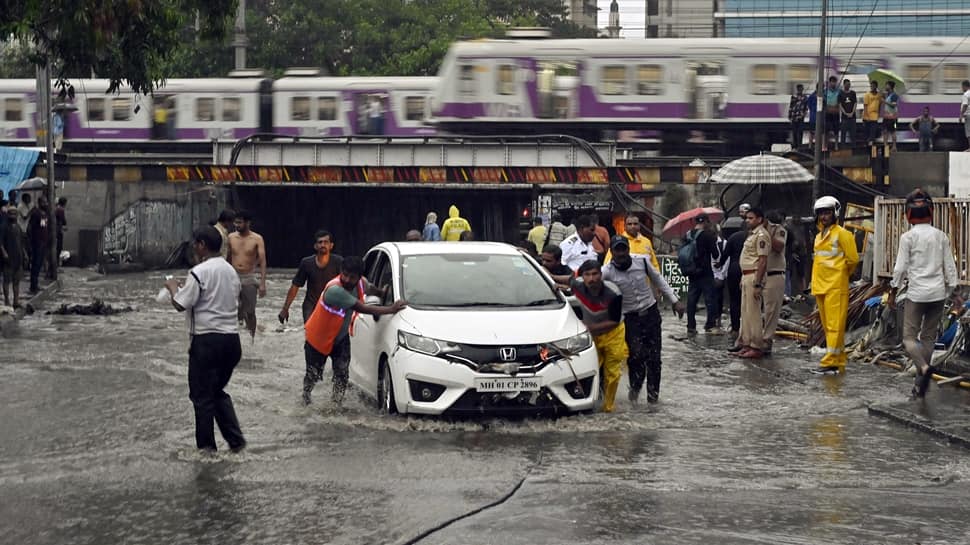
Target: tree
{"points": [[125, 41]]}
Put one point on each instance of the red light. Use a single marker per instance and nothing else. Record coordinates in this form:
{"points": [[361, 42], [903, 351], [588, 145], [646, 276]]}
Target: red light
{"points": [[525, 212]]}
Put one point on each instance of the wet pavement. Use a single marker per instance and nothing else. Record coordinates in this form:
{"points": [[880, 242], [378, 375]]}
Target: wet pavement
{"points": [[98, 448]]}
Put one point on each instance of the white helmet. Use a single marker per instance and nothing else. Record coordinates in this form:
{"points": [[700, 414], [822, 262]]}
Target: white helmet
{"points": [[828, 202]]}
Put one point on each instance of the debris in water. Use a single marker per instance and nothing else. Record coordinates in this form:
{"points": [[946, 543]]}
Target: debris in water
{"points": [[97, 308]]}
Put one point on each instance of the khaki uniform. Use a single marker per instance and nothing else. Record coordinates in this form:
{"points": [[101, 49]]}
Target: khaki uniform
{"points": [[756, 245], [774, 291]]}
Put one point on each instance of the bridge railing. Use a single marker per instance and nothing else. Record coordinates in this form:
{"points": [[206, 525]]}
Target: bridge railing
{"points": [[950, 215]]}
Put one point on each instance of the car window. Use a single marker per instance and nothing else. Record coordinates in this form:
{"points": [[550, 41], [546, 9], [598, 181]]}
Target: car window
{"points": [[475, 280], [382, 276]]}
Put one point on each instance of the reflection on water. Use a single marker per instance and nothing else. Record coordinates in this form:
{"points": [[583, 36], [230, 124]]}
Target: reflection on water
{"points": [[97, 430]]}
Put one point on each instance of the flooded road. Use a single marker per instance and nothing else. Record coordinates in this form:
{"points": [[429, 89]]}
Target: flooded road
{"points": [[97, 447]]}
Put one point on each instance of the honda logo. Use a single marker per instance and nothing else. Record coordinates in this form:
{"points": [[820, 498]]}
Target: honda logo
{"points": [[507, 353]]}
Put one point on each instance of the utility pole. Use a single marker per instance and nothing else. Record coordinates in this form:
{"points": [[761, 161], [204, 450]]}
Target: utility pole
{"points": [[239, 40], [44, 125], [820, 135]]}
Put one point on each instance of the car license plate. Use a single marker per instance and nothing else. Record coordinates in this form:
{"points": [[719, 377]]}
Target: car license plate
{"points": [[508, 384]]}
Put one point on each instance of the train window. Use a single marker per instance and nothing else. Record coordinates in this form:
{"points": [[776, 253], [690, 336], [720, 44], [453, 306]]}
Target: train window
{"points": [[466, 84], [800, 73], [506, 79], [764, 79], [326, 108], [300, 109], [953, 76], [919, 79], [650, 78], [121, 109], [95, 109], [414, 108], [205, 109], [231, 109], [13, 109], [614, 80]]}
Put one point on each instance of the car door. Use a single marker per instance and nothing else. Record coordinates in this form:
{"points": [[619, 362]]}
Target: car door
{"points": [[366, 338]]}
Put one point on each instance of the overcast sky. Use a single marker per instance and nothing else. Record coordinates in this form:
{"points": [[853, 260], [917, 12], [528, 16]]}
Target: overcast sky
{"points": [[632, 13]]}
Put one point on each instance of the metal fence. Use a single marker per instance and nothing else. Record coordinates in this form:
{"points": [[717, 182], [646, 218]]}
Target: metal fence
{"points": [[952, 216]]}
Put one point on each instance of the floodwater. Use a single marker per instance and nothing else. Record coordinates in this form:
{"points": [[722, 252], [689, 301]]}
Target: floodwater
{"points": [[97, 447]]}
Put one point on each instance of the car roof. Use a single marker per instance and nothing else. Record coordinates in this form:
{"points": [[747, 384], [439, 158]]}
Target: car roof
{"points": [[431, 248]]}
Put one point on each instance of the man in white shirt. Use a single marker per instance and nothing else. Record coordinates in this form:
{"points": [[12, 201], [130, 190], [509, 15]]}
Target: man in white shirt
{"points": [[577, 247], [210, 296], [925, 258], [965, 111]]}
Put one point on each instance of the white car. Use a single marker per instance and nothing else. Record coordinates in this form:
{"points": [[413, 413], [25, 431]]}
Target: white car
{"points": [[485, 331]]}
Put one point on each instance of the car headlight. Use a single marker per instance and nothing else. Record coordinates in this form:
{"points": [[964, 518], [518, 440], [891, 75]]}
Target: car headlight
{"points": [[575, 344], [425, 345]]}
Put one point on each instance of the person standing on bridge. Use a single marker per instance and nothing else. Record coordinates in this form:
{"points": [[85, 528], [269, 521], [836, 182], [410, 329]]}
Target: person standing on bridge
{"points": [[925, 259], [454, 226], [331, 323], [835, 259], [641, 314], [247, 252], [210, 296]]}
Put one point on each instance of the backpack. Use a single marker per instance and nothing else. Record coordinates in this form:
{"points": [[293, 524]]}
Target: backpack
{"points": [[687, 255]]}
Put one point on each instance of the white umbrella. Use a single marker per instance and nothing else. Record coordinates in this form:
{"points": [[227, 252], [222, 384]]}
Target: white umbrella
{"points": [[762, 169], [31, 183]]}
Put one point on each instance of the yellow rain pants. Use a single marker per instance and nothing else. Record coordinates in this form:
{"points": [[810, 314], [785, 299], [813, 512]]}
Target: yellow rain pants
{"points": [[612, 352], [833, 309]]}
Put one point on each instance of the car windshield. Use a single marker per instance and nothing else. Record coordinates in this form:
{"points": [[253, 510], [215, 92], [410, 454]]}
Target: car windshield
{"points": [[474, 280]]}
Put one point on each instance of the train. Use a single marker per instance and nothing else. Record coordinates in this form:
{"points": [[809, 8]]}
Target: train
{"points": [[598, 89], [735, 86], [201, 110]]}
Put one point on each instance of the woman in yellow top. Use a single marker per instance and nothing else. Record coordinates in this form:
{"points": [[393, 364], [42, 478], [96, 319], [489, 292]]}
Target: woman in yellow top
{"points": [[835, 259]]}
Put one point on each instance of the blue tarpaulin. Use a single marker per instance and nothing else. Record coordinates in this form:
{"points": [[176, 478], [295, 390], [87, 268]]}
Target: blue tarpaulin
{"points": [[15, 166]]}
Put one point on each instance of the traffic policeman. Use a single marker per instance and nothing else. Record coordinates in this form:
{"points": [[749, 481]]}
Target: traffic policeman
{"points": [[754, 266], [774, 292], [835, 259]]}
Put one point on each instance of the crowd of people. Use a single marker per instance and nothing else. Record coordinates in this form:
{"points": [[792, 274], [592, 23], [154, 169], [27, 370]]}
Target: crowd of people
{"points": [[25, 241], [880, 116], [616, 283]]}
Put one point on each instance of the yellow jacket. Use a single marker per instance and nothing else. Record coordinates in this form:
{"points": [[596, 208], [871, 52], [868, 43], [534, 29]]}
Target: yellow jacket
{"points": [[835, 260], [640, 246], [452, 228]]}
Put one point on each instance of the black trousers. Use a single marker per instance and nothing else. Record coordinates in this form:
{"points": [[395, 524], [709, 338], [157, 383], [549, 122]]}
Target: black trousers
{"points": [[339, 358], [734, 293], [212, 358], [38, 252], [643, 338], [701, 285]]}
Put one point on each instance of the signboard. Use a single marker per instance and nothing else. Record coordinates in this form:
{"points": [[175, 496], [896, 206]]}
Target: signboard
{"points": [[671, 273]]}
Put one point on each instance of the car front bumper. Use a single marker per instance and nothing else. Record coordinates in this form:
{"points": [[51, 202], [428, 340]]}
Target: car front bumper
{"points": [[453, 387]]}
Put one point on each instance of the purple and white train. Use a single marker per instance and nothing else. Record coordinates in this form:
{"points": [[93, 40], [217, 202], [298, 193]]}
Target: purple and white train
{"points": [[726, 84], [200, 110]]}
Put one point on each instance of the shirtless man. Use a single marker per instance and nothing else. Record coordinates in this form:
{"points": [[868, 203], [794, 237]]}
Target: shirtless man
{"points": [[246, 252]]}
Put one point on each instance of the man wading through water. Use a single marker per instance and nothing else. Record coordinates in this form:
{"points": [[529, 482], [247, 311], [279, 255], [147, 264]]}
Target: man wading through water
{"points": [[247, 252], [329, 327], [210, 296]]}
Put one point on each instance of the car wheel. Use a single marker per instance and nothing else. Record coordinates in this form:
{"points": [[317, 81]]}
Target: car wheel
{"points": [[385, 389]]}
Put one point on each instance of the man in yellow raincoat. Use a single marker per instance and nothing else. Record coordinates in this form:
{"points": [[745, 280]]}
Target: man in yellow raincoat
{"points": [[454, 226], [835, 259]]}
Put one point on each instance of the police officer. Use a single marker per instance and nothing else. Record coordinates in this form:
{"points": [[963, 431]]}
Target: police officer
{"points": [[754, 266], [774, 292], [835, 259]]}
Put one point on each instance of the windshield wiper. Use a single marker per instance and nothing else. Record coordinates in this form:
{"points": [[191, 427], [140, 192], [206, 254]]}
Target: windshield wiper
{"points": [[541, 302]]}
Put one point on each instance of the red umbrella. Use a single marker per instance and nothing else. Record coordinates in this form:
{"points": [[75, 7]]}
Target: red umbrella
{"points": [[680, 225]]}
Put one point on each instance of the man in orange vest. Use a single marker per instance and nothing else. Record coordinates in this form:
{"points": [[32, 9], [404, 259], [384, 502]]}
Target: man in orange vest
{"points": [[331, 323]]}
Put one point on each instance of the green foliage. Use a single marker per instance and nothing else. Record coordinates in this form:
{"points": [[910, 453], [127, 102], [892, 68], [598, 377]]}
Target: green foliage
{"points": [[126, 41], [140, 42]]}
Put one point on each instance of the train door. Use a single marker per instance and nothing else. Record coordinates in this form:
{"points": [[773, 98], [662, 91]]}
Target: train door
{"points": [[266, 106], [370, 110], [556, 86], [163, 115], [705, 87]]}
